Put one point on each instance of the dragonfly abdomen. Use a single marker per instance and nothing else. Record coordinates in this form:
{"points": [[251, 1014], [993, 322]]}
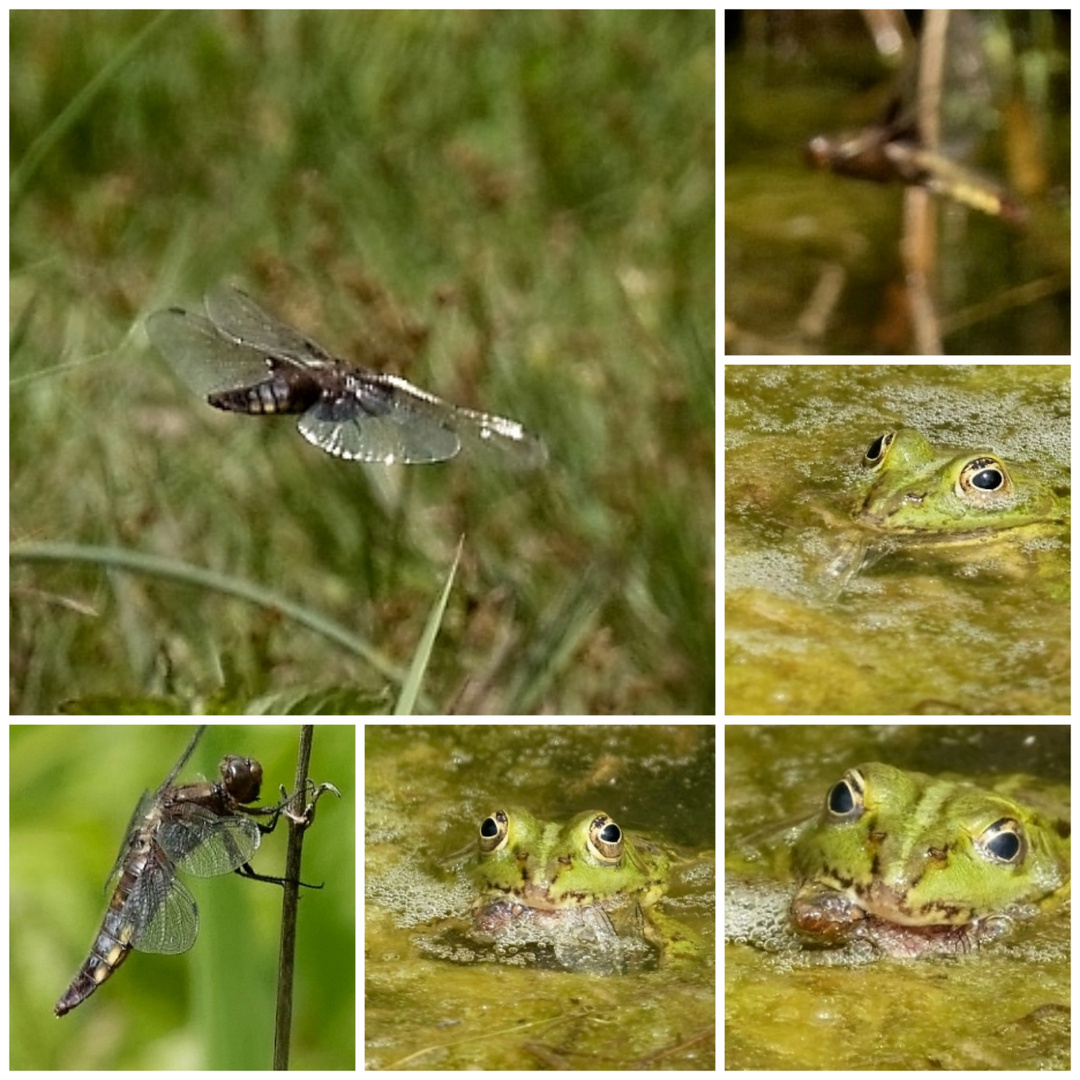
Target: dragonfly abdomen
{"points": [[113, 942], [288, 390]]}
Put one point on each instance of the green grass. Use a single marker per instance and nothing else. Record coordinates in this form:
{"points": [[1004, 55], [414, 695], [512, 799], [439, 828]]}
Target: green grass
{"points": [[514, 211]]}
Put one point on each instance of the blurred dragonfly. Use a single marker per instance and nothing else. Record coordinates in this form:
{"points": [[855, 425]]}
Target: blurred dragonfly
{"points": [[242, 359], [892, 151], [894, 148]]}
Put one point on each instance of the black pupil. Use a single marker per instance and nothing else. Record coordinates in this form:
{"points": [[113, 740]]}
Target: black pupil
{"points": [[988, 480], [1006, 846], [841, 801]]}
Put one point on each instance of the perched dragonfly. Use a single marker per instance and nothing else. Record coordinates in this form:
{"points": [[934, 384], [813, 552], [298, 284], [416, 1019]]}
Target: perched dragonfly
{"points": [[242, 359], [893, 149], [200, 828]]}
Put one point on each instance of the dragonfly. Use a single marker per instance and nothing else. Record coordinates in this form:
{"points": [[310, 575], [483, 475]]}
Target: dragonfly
{"points": [[893, 149], [203, 828], [241, 359]]}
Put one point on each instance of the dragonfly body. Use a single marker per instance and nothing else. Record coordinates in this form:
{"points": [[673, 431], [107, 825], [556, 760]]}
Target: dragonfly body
{"points": [[945, 86], [204, 828], [241, 359], [884, 154]]}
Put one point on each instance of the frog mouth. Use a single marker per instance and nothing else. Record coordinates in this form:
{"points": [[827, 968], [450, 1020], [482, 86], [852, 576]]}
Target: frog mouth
{"points": [[534, 897], [958, 533], [883, 903]]}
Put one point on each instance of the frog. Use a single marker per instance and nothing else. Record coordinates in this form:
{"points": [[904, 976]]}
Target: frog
{"points": [[911, 865], [971, 510], [922, 492], [585, 892]]}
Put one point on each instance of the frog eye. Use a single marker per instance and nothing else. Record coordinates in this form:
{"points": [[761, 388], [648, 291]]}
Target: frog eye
{"points": [[1003, 841], [876, 451], [983, 476], [493, 831], [605, 839], [845, 798]]}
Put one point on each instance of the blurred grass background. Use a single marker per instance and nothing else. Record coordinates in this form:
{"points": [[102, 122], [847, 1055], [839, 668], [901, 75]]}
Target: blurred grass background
{"points": [[514, 211]]}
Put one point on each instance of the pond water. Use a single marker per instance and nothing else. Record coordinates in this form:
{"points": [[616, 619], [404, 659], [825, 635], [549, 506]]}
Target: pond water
{"points": [[929, 629]]}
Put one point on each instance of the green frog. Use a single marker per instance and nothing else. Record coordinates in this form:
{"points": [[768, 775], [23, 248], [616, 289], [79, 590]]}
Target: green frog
{"points": [[916, 865], [585, 892], [957, 506], [919, 491]]}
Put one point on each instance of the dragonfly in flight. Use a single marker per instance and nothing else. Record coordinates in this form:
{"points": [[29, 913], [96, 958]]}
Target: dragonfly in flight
{"points": [[241, 359]]}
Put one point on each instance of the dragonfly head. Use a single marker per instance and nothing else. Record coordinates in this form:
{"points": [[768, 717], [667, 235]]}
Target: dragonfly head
{"points": [[242, 778]]}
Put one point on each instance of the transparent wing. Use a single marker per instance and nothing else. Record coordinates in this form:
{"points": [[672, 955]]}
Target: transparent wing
{"points": [[205, 360], [238, 317], [160, 913], [514, 444], [205, 844], [372, 420], [381, 418]]}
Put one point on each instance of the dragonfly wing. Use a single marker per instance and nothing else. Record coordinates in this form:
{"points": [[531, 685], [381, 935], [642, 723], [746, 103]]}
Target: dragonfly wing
{"points": [[373, 421], [514, 445], [239, 318], [382, 418], [161, 914], [205, 360]]}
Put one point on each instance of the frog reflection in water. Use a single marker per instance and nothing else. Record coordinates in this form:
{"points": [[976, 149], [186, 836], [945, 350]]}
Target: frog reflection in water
{"points": [[914, 865], [585, 892], [920, 497]]}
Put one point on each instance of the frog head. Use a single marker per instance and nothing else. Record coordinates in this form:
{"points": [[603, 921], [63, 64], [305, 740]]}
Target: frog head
{"points": [[917, 490], [894, 849], [546, 866]]}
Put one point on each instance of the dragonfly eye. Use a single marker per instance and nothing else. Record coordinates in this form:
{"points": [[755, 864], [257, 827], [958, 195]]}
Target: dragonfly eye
{"points": [[242, 778]]}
